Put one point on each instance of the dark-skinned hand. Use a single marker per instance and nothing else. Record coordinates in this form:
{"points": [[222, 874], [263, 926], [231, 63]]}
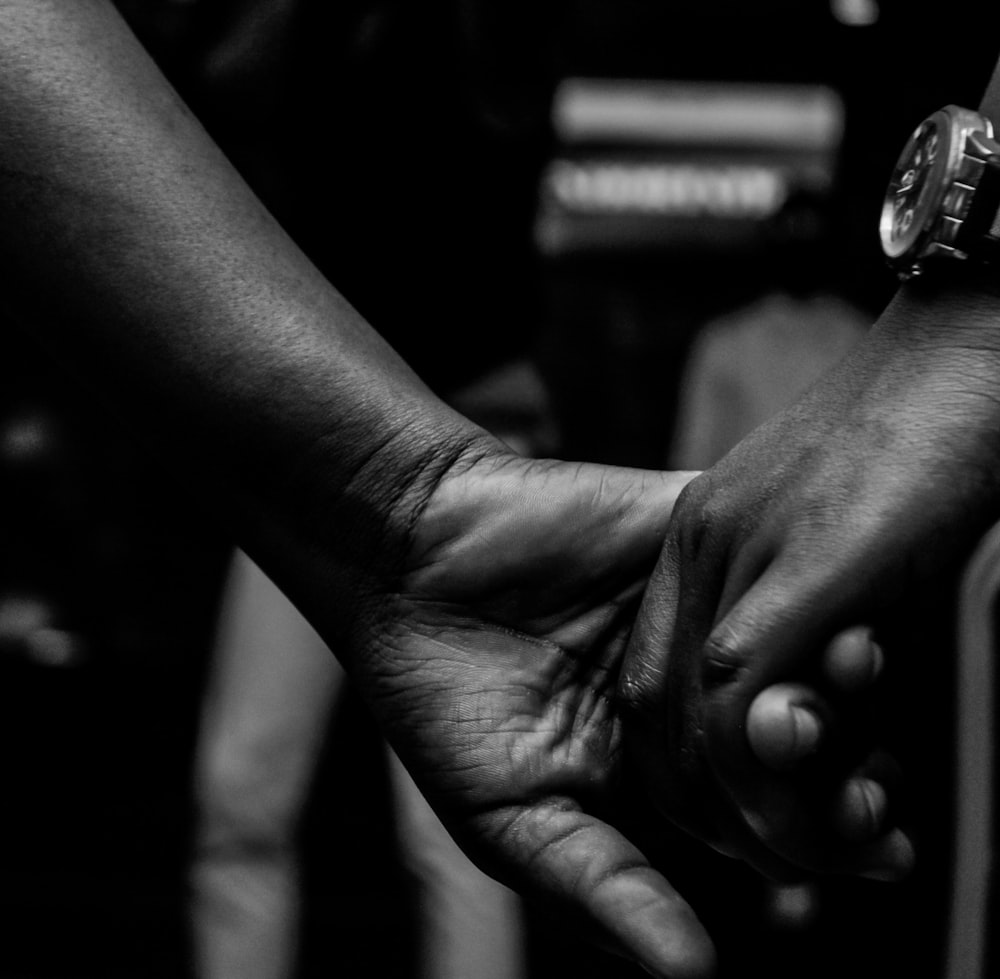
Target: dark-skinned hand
{"points": [[858, 504], [493, 668]]}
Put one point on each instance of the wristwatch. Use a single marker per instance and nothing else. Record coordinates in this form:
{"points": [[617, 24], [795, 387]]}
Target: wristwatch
{"points": [[943, 201]]}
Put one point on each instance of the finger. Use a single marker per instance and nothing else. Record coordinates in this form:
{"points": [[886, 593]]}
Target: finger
{"points": [[787, 723], [785, 726], [775, 630], [861, 808], [661, 692], [852, 661], [586, 871], [890, 859], [659, 699]]}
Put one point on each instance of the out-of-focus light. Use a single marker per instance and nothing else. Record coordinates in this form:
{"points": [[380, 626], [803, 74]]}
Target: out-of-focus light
{"points": [[793, 906], [21, 615], [855, 13], [54, 647], [25, 439], [28, 631]]}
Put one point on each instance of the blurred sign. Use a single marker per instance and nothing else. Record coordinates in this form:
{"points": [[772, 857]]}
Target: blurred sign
{"points": [[643, 164], [679, 189]]}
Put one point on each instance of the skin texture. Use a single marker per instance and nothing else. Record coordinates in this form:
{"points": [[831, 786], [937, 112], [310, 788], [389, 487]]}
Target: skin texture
{"points": [[481, 602], [494, 670], [857, 504]]}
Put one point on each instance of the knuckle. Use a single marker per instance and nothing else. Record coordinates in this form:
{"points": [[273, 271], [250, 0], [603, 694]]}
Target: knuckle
{"points": [[724, 658], [694, 497], [699, 516]]}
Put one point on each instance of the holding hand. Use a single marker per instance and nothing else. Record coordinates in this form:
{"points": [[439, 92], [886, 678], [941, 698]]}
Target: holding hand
{"points": [[493, 669], [846, 508]]}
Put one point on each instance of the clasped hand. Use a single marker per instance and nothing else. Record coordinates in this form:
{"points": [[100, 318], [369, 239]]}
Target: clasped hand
{"points": [[749, 676], [526, 665], [495, 667]]}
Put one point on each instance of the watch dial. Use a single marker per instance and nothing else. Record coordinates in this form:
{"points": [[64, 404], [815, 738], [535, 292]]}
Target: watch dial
{"points": [[908, 200]]}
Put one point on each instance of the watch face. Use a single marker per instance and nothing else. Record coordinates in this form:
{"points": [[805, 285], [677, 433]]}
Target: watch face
{"points": [[915, 190]]}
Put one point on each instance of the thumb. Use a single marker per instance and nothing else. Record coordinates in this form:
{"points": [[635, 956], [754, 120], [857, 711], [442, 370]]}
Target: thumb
{"points": [[588, 874]]}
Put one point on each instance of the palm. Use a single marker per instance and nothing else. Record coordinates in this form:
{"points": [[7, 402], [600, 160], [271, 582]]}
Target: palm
{"points": [[497, 663]]}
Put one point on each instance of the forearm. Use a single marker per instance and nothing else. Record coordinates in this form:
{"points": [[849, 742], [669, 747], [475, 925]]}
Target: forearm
{"points": [[131, 244]]}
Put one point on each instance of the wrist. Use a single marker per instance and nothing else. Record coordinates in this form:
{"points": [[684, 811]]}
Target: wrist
{"points": [[347, 540], [956, 312], [388, 494], [927, 378]]}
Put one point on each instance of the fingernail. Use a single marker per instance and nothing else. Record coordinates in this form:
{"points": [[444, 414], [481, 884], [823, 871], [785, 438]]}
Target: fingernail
{"points": [[783, 727], [805, 731], [860, 809], [853, 660], [895, 859]]}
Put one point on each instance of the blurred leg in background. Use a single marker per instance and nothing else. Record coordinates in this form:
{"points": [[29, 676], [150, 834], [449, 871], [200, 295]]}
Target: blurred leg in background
{"points": [[746, 365], [272, 690], [467, 924], [272, 684]]}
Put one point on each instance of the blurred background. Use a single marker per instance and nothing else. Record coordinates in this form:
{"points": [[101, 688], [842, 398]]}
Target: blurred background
{"points": [[617, 231]]}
